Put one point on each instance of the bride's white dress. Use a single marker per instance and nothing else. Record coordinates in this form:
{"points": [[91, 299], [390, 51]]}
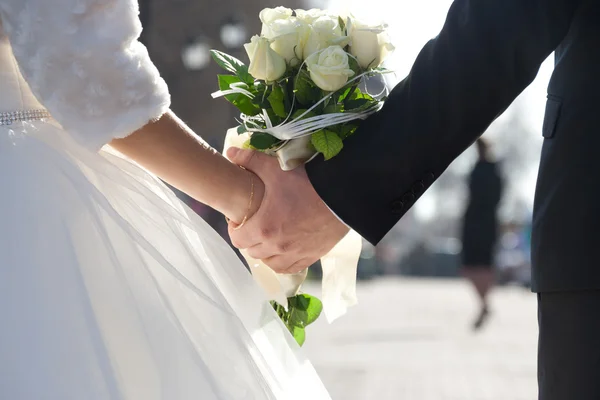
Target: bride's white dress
{"points": [[110, 288]]}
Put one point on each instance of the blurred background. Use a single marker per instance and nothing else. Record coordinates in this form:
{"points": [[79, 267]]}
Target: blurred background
{"points": [[411, 336]]}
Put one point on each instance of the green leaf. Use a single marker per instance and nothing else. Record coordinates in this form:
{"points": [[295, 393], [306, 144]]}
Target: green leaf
{"points": [[342, 24], [232, 65], [279, 310], [327, 142], [263, 141], [346, 130], [260, 88], [311, 305], [241, 129], [358, 100], [261, 100], [247, 145], [287, 88], [306, 92], [358, 94], [333, 108], [299, 334], [226, 61], [297, 316], [345, 93], [275, 119], [353, 64], [276, 99], [354, 104], [243, 103], [303, 310], [225, 81], [300, 112]]}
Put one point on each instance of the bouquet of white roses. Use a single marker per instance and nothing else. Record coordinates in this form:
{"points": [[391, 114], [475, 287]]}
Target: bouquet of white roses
{"points": [[299, 97]]}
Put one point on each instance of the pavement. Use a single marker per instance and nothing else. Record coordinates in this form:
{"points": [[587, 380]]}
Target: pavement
{"points": [[411, 339]]}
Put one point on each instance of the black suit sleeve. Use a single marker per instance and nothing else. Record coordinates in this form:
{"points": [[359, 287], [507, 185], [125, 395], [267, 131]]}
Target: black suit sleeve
{"points": [[487, 53]]}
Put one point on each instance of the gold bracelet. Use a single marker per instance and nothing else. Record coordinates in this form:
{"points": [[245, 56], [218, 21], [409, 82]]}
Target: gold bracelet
{"points": [[245, 219]]}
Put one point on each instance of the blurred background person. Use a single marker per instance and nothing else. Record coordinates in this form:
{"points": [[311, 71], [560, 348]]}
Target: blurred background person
{"points": [[480, 228]]}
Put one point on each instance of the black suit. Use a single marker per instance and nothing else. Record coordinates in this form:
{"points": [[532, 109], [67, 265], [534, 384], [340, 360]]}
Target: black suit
{"points": [[487, 53]]}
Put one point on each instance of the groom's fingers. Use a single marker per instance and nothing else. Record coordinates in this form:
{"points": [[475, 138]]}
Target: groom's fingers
{"points": [[285, 264], [240, 239], [260, 252], [267, 249], [299, 266], [280, 263]]}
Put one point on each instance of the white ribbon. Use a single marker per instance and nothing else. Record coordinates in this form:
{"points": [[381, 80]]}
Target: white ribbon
{"points": [[306, 127], [339, 265], [300, 126]]}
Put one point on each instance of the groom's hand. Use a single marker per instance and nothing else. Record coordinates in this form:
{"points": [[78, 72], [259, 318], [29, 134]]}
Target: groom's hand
{"points": [[293, 228]]}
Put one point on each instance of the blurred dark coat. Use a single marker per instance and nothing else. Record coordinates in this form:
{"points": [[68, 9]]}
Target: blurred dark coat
{"points": [[480, 223]]}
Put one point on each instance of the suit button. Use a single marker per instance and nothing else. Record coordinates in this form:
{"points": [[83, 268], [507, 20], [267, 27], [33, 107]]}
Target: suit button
{"points": [[408, 198], [418, 187], [428, 178], [397, 207]]}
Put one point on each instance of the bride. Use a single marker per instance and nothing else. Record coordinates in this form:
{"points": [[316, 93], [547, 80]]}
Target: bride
{"points": [[110, 288]]}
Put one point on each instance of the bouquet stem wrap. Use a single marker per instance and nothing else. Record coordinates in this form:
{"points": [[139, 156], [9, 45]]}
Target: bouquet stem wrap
{"points": [[339, 265]]}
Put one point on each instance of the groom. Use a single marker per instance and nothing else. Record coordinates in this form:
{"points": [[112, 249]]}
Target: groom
{"points": [[488, 52]]}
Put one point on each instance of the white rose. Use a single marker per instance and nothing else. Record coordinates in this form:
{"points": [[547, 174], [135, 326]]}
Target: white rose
{"points": [[286, 32], [269, 15], [369, 43], [265, 63], [287, 38], [329, 69], [311, 15], [325, 31]]}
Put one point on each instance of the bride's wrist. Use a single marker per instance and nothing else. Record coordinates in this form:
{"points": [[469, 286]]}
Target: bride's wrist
{"points": [[246, 198]]}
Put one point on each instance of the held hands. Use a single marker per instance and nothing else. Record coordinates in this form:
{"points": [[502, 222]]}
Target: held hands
{"points": [[292, 228], [244, 203]]}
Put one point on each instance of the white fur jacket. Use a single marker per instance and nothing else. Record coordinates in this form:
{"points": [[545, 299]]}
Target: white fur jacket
{"points": [[84, 63]]}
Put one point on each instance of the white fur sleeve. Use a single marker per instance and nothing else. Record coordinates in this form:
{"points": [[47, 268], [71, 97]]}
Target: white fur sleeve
{"points": [[83, 61]]}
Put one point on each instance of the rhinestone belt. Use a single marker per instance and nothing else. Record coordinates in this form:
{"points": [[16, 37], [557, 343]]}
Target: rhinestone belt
{"points": [[8, 118]]}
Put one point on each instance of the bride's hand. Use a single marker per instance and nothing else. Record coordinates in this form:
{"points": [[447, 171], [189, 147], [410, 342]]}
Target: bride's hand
{"points": [[168, 148], [247, 196]]}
